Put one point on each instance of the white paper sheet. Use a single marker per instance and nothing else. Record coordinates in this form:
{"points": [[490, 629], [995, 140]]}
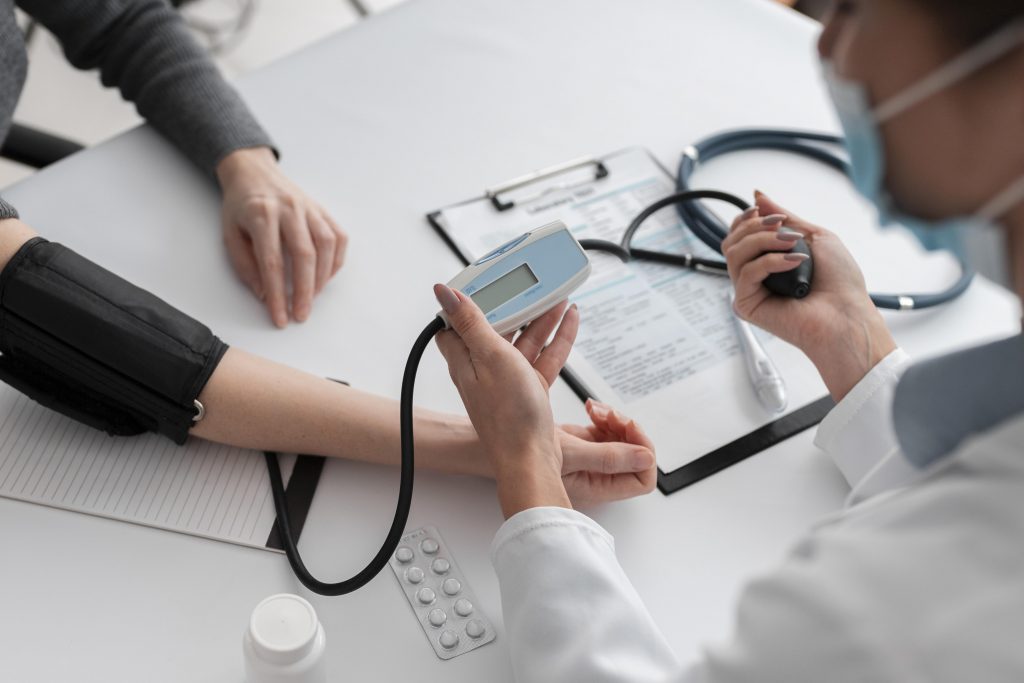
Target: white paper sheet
{"points": [[657, 342], [201, 488]]}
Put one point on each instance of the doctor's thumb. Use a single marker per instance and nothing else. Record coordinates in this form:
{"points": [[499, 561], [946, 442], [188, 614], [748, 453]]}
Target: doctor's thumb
{"points": [[466, 318]]}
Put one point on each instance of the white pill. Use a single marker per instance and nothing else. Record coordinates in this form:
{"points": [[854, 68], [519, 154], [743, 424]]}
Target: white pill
{"points": [[475, 628], [437, 617], [451, 586], [427, 596], [413, 574], [403, 554], [463, 607], [448, 639], [440, 566], [429, 546]]}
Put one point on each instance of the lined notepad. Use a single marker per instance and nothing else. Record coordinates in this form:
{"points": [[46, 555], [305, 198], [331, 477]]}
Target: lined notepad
{"points": [[201, 488]]}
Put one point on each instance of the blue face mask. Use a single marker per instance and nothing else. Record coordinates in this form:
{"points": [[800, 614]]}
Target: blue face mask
{"points": [[861, 126]]}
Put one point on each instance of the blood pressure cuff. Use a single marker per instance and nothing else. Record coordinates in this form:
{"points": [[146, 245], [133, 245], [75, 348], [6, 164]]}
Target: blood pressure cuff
{"points": [[82, 341]]}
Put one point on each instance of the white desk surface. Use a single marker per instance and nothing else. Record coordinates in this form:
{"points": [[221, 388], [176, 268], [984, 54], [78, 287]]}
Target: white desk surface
{"points": [[416, 108]]}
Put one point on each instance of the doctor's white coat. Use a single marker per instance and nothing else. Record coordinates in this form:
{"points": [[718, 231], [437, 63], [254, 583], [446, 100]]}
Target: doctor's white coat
{"points": [[920, 577]]}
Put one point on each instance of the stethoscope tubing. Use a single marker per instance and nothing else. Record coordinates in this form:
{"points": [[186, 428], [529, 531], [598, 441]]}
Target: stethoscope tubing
{"points": [[710, 230]]}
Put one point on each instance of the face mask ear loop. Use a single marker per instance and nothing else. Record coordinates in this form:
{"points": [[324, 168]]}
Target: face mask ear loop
{"points": [[1001, 204], [953, 71]]}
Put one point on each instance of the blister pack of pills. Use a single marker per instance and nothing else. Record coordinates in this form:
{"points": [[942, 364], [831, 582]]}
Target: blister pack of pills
{"points": [[438, 594]]}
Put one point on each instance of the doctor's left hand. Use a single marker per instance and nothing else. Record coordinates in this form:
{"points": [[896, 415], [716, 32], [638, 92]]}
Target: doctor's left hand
{"points": [[504, 387], [274, 232]]}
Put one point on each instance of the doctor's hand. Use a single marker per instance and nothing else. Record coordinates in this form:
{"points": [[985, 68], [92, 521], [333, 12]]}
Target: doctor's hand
{"points": [[283, 245], [504, 387], [836, 325], [505, 391]]}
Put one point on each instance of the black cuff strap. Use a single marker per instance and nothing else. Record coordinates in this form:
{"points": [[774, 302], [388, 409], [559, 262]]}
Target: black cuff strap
{"points": [[83, 341]]}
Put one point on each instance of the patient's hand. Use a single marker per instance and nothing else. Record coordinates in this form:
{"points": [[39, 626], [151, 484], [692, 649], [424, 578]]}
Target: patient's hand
{"points": [[608, 460], [282, 244]]}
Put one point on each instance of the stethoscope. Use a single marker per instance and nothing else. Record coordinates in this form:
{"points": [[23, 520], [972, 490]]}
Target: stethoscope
{"points": [[704, 224], [710, 230]]}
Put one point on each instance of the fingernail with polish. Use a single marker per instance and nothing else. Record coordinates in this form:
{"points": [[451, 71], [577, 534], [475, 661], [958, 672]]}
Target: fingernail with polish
{"points": [[788, 236], [774, 219], [446, 297], [796, 257], [749, 213], [600, 410]]}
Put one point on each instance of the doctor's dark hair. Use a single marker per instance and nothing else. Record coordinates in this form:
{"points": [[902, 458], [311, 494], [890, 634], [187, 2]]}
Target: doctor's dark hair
{"points": [[970, 21]]}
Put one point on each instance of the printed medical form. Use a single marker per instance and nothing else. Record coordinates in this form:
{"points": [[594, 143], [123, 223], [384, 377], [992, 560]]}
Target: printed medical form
{"points": [[655, 341]]}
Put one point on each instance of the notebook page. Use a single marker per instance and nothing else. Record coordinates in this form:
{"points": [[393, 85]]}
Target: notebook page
{"points": [[201, 488]]}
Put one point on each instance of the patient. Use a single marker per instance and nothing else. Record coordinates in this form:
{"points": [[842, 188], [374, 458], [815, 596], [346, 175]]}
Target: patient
{"points": [[255, 403]]}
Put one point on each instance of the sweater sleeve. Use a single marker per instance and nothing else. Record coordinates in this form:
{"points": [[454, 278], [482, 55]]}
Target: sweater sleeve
{"points": [[6, 210], [144, 48]]}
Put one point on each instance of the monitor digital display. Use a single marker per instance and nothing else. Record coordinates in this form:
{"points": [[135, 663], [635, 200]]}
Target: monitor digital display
{"points": [[508, 286]]}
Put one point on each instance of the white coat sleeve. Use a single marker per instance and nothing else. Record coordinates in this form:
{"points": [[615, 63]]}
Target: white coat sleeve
{"points": [[571, 614], [858, 433]]}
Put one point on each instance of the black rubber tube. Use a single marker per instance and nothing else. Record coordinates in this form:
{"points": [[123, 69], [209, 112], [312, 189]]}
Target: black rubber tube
{"points": [[394, 536]]}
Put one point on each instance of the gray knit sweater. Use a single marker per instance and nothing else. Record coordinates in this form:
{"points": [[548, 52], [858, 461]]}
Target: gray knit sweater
{"points": [[143, 48]]}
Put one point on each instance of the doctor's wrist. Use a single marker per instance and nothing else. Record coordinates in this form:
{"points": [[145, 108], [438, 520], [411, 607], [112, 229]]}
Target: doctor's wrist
{"points": [[852, 352], [529, 481]]}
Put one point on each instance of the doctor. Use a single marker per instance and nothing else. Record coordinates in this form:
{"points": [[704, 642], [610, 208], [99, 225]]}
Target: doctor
{"points": [[921, 576]]}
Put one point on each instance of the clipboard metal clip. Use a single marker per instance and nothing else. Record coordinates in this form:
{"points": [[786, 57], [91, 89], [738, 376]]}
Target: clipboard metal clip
{"points": [[494, 194]]}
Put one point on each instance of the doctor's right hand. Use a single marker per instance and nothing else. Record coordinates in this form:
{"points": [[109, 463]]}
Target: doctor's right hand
{"points": [[505, 390], [836, 325]]}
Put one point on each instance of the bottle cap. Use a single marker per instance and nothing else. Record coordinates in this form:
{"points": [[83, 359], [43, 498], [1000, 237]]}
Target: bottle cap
{"points": [[283, 628]]}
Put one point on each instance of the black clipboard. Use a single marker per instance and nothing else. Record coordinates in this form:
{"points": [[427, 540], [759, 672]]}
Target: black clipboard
{"points": [[298, 495], [710, 463]]}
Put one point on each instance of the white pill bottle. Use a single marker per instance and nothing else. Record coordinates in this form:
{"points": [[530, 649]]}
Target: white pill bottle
{"points": [[285, 642]]}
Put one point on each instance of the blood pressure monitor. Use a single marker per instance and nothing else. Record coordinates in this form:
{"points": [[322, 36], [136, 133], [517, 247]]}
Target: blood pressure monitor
{"points": [[524, 278]]}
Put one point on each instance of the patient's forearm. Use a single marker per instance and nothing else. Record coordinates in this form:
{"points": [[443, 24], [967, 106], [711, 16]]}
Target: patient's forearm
{"points": [[256, 403]]}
